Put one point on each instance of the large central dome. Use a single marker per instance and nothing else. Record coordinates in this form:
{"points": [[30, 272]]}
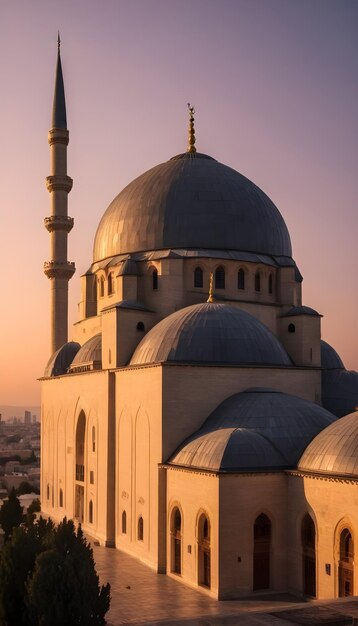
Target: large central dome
{"points": [[191, 201]]}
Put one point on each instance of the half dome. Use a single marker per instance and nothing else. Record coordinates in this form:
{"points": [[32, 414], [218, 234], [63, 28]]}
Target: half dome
{"points": [[211, 333], [61, 360], [89, 357], [334, 450], [191, 201]]}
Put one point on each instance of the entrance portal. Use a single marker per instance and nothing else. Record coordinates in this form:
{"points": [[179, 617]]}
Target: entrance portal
{"points": [[308, 535], [262, 549], [345, 568]]}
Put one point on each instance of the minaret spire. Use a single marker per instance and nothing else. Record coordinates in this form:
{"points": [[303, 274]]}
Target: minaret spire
{"points": [[59, 270]]}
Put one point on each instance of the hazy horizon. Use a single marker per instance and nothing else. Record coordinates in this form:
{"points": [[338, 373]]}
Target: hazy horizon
{"points": [[274, 84]]}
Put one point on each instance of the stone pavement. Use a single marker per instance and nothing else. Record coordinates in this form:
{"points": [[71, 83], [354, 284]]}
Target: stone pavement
{"points": [[140, 596]]}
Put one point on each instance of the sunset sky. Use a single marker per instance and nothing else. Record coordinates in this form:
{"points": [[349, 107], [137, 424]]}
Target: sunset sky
{"points": [[275, 87]]}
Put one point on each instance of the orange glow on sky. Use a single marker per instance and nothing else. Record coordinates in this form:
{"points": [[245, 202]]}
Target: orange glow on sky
{"points": [[275, 88]]}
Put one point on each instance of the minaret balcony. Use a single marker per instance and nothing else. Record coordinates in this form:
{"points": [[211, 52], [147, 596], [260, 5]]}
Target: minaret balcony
{"points": [[58, 135], [59, 222], [58, 269], [59, 183]]}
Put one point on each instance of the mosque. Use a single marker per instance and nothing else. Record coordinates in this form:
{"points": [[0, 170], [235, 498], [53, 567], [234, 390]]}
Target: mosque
{"points": [[192, 417]]}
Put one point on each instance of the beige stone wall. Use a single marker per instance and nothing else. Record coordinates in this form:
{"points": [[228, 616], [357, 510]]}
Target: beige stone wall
{"points": [[301, 337], [332, 504], [242, 499], [138, 452], [63, 399], [193, 493]]}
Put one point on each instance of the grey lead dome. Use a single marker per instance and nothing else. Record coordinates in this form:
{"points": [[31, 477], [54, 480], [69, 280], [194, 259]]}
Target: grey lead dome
{"points": [[192, 201], [211, 333]]}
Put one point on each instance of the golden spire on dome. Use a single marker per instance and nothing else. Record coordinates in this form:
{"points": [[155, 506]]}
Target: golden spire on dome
{"points": [[191, 146], [211, 297]]}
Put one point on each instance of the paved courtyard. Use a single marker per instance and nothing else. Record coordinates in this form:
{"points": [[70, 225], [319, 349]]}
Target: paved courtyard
{"points": [[140, 596]]}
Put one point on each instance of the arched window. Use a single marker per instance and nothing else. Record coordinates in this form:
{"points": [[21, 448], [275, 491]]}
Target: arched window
{"points": [[140, 327], [176, 541], [110, 289], [270, 284], [262, 549], [48, 491], [220, 277], [90, 512], [101, 287], [345, 569], [155, 279], [60, 498], [124, 522], [257, 281], [198, 277], [241, 279], [80, 467], [140, 529], [291, 328], [93, 439], [204, 566], [308, 536]]}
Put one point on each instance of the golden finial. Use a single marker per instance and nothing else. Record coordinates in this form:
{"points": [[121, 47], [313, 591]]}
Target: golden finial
{"points": [[211, 297], [191, 146]]}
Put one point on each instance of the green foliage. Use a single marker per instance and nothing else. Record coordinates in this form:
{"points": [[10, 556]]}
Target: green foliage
{"points": [[48, 578], [32, 509], [10, 514], [24, 487], [17, 561]]}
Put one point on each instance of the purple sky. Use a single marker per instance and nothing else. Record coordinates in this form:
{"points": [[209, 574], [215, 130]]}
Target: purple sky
{"points": [[274, 84]]}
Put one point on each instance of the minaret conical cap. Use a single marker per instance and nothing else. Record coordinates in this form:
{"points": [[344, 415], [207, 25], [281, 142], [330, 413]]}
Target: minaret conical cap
{"points": [[59, 118]]}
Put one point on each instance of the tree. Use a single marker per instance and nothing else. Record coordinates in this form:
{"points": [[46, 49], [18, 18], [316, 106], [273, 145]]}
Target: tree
{"points": [[32, 509], [67, 567], [10, 514], [24, 487], [48, 578], [16, 564]]}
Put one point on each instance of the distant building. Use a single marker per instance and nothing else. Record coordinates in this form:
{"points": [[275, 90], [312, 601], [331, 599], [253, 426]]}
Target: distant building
{"points": [[199, 434], [27, 417]]}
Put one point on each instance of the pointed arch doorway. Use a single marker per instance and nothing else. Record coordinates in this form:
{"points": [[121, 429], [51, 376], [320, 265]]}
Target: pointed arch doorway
{"points": [[262, 549]]}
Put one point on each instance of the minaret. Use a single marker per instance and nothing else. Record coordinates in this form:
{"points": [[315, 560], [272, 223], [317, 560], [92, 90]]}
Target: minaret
{"points": [[59, 270]]}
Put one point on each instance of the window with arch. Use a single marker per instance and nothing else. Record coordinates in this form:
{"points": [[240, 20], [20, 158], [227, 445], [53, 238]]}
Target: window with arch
{"points": [[60, 499], [220, 277], [93, 439], [241, 279], [204, 565], [90, 512], [198, 277], [101, 286], [140, 533], [308, 538], [140, 327], [346, 564], [257, 281], [48, 491], [270, 284], [291, 328], [155, 279], [124, 522], [110, 286], [262, 550], [176, 525]]}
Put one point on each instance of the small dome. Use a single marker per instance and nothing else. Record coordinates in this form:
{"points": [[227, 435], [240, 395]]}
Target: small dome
{"points": [[210, 333], [229, 449], [330, 359], [191, 201], [340, 391], [89, 357], [301, 310], [334, 450], [254, 430], [61, 360]]}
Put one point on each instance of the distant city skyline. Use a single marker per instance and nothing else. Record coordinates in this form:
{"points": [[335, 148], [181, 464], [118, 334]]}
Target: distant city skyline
{"points": [[275, 88]]}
